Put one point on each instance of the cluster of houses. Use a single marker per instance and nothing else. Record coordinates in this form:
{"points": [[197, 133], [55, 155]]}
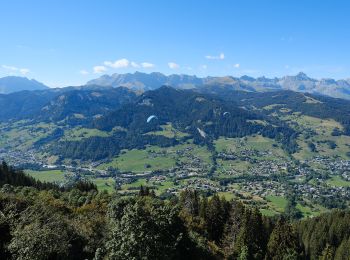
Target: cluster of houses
{"points": [[191, 170]]}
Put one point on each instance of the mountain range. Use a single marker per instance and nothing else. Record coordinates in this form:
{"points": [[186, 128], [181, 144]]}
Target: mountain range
{"points": [[300, 83], [141, 82]]}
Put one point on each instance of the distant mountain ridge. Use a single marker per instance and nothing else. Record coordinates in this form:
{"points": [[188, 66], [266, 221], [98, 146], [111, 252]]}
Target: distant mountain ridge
{"points": [[300, 83], [70, 103], [12, 84]]}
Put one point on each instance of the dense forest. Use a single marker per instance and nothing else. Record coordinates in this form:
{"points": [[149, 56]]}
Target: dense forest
{"points": [[39, 221]]}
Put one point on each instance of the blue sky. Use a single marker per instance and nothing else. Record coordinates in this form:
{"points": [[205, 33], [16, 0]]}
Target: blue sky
{"points": [[69, 42]]}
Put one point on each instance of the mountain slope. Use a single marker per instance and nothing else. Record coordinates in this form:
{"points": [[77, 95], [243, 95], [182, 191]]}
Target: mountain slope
{"points": [[201, 117], [82, 105], [12, 84], [307, 104]]}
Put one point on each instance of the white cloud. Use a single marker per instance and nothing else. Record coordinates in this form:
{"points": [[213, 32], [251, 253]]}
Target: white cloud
{"points": [[125, 63], [221, 56], [237, 65], [84, 72], [9, 68], [99, 69], [147, 65], [173, 65], [22, 71], [118, 64], [134, 65], [204, 67]]}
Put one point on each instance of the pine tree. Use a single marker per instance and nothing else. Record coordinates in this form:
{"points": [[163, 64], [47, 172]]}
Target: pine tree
{"points": [[251, 235], [232, 227], [283, 241], [215, 219], [189, 200]]}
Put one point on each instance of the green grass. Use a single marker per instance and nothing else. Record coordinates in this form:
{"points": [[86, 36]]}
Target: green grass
{"points": [[253, 142], [21, 136], [163, 186], [338, 181], [277, 203], [156, 158], [307, 211], [237, 165], [80, 133], [136, 160], [47, 176], [135, 184], [106, 184], [321, 126], [203, 153], [323, 129], [227, 195], [268, 212], [226, 144], [272, 106], [168, 131]]}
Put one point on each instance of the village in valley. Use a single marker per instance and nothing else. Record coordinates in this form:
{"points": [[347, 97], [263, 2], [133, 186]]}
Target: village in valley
{"points": [[254, 169]]}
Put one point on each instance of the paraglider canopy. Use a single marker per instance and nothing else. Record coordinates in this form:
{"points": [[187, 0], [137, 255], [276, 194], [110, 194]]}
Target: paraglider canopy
{"points": [[226, 113], [150, 118]]}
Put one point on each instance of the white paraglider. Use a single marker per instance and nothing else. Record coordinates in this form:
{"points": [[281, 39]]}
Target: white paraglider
{"points": [[201, 132], [226, 113], [150, 118]]}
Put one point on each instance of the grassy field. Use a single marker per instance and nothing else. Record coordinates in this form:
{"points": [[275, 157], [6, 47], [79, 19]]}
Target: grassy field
{"points": [[156, 158], [169, 131], [268, 212], [47, 176], [23, 137], [337, 181], [236, 165], [135, 184], [79, 133], [106, 184], [277, 203], [140, 161], [307, 211], [227, 195], [323, 129], [254, 142], [163, 186]]}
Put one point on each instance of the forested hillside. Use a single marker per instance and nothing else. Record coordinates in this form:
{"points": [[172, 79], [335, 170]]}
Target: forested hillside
{"points": [[47, 223], [69, 104], [204, 117]]}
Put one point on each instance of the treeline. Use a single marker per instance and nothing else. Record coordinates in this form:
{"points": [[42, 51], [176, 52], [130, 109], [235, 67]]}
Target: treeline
{"points": [[86, 224], [13, 177]]}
